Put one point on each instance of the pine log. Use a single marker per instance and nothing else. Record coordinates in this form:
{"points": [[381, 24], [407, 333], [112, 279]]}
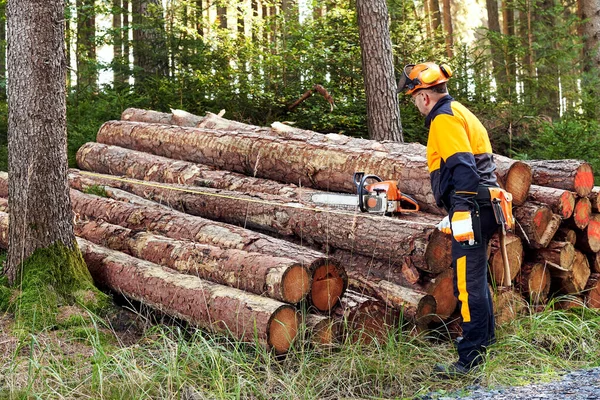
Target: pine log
{"points": [[364, 318], [594, 260], [275, 277], [588, 240], [581, 214], [114, 160], [321, 330], [564, 234], [534, 282], [417, 307], [535, 224], [514, 250], [4, 204], [573, 175], [508, 305], [560, 201], [558, 256], [211, 306], [514, 176], [177, 225], [569, 302], [592, 291], [177, 117], [574, 280], [441, 287], [595, 199], [411, 235]]}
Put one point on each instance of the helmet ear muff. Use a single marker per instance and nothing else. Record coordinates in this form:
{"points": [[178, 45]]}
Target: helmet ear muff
{"points": [[446, 70], [429, 76]]}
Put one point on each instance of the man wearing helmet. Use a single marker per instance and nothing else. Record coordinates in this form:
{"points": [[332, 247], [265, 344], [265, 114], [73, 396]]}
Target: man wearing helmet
{"points": [[461, 167]]}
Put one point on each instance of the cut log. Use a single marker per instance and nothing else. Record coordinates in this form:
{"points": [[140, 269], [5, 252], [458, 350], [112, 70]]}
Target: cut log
{"points": [[560, 201], [564, 234], [364, 233], [535, 223], [534, 282], [558, 256], [568, 302], [178, 117], [417, 307], [573, 175], [592, 291], [441, 288], [574, 280], [275, 277], [364, 318], [582, 213], [321, 330], [211, 306], [508, 305], [514, 176], [589, 239], [595, 199], [594, 260], [514, 251]]}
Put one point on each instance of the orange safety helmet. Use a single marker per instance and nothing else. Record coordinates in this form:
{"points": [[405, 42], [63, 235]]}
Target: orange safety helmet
{"points": [[422, 76]]}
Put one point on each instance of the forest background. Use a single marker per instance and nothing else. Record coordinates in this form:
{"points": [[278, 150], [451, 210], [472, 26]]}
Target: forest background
{"points": [[530, 69]]}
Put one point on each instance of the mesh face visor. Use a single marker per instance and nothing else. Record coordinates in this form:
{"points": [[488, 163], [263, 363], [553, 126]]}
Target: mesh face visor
{"points": [[405, 82]]}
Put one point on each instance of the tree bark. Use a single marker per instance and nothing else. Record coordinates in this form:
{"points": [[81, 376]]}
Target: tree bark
{"points": [[595, 199], [321, 330], [560, 201], [558, 256], [534, 282], [441, 287], [589, 239], [574, 280], [574, 175], [364, 233], [448, 28], [383, 112], [211, 306], [37, 132], [279, 278], [536, 224], [590, 15], [564, 234], [514, 250]]}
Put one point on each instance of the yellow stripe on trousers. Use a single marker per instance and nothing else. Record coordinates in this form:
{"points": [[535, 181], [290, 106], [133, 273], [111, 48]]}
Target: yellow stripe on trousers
{"points": [[463, 295]]}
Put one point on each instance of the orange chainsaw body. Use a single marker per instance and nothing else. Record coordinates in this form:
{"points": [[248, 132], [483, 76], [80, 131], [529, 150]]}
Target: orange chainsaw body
{"points": [[382, 196]]}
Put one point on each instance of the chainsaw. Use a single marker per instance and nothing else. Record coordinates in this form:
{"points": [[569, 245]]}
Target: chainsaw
{"points": [[381, 196]]}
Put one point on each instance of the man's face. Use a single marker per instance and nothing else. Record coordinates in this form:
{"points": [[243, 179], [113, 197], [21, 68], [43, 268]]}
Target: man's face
{"points": [[419, 99]]}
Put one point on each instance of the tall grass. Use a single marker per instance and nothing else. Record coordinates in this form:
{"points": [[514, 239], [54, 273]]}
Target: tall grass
{"points": [[170, 362]]}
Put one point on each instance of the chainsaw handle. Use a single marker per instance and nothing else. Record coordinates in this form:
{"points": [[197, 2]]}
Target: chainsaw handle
{"points": [[360, 179], [408, 199]]}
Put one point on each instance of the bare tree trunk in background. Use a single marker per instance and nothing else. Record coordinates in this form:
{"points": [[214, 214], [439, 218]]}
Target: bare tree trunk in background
{"points": [[126, 51], [434, 10], [40, 206], [200, 18], [383, 113], [590, 12], [118, 59], [448, 28], [3, 51], [222, 15], [87, 75], [427, 19], [150, 54], [498, 66], [548, 73], [508, 28]]}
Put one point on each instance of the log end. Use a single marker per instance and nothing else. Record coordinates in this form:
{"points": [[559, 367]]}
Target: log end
{"points": [[442, 290], [538, 284], [539, 223], [593, 293], [514, 250], [518, 180], [323, 331], [328, 284], [438, 254], [582, 212], [508, 304], [566, 204], [592, 234], [426, 311], [584, 179], [283, 328], [295, 284]]}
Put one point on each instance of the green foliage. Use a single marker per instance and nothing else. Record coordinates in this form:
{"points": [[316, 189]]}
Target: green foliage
{"points": [[97, 190]]}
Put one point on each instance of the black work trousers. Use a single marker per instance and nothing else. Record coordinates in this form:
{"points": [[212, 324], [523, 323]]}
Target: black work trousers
{"points": [[471, 289]]}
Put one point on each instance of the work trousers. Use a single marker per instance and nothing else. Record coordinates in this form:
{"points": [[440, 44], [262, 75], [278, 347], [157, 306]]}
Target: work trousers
{"points": [[471, 289]]}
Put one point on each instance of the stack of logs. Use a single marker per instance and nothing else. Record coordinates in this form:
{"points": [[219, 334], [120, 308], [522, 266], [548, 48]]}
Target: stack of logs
{"points": [[230, 205]]}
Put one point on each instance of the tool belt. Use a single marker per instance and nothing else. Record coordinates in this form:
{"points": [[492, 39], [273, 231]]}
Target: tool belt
{"points": [[501, 201]]}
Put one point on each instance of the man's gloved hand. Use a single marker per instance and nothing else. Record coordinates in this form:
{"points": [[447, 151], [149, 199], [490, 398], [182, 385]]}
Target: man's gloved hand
{"points": [[462, 227], [444, 225]]}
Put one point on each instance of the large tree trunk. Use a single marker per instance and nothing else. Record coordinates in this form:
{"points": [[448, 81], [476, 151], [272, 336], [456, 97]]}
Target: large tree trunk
{"points": [[37, 133], [276, 277], [561, 202], [211, 306], [363, 233], [383, 113], [574, 175]]}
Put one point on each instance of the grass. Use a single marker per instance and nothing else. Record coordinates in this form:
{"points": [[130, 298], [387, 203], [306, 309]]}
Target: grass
{"points": [[169, 362]]}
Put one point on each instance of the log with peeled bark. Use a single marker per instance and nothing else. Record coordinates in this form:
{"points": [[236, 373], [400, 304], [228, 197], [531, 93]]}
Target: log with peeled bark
{"points": [[177, 225], [560, 201], [558, 256], [574, 280], [564, 234], [364, 318], [588, 240], [275, 277], [582, 213], [411, 235], [534, 282], [592, 291], [441, 287], [417, 307], [574, 175], [177, 117], [514, 251], [211, 306], [508, 305], [536, 224]]}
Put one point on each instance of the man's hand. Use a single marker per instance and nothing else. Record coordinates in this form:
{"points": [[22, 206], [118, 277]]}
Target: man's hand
{"points": [[444, 225], [462, 227]]}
